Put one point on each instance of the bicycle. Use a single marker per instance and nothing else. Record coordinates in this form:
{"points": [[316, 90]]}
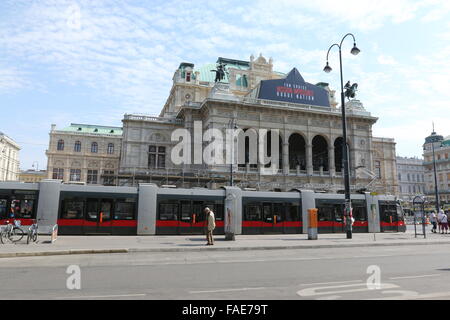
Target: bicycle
{"points": [[12, 232], [32, 232]]}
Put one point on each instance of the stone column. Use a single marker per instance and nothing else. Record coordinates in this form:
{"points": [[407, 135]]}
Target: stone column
{"points": [[286, 158], [331, 161], [309, 161]]}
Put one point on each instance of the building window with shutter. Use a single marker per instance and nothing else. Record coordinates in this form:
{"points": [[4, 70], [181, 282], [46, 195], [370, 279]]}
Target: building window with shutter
{"points": [[108, 177], [60, 145], [378, 169], [110, 149], [94, 147], [77, 146], [58, 173], [156, 157], [75, 175], [92, 176]]}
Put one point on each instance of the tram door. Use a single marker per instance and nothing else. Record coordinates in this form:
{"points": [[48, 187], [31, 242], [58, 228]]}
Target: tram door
{"points": [[273, 217], [388, 216], [3, 208], [339, 222], [192, 218], [331, 216], [98, 219]]}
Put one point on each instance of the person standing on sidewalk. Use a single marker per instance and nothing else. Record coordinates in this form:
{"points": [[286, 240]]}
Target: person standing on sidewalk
{"points": [[433, 220], [211, 225], [439, 218], [444, 221]]}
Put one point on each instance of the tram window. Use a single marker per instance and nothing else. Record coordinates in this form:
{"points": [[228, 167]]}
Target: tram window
{"points": [[219, 211], [124, 210], [186, 213], [359, 211], [278, 211], [339, 212], [105, 208], [168, 211], [198, 209], [292, 213], [23, 209], [72, 209], [267, 212], [92, 210], [388, 212], [325, 213], [3, 209], [253, 212], [400, 213]]}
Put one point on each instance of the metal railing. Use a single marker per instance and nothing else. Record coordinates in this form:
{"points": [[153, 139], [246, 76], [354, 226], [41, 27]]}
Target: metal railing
{"points": [[139, 117]]}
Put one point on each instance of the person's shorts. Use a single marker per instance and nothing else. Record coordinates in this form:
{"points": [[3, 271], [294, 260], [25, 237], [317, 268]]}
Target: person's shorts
{"points": [[445, 225]]}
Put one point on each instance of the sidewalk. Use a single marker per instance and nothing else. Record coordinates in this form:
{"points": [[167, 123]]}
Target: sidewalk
{"points": [[65, 245]]}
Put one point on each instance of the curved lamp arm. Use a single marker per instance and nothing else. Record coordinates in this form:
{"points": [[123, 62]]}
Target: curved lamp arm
{"points": [[348, 34], [332, 47]]}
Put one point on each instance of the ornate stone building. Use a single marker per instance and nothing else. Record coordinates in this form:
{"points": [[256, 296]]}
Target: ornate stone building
{"points": [[254, 96], [84, 153], [32, 176], [9, 159], [411, 178], [442, 158]]}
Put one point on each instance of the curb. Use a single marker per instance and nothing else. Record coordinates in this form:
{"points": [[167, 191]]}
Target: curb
{"points": [[60, 252], [202, 249]]}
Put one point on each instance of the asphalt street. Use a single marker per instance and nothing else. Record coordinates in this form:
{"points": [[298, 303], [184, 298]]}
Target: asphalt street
{"points": [[405, 272]]}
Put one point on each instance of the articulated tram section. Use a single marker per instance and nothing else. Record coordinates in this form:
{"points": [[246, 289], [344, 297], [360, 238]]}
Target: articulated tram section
{"points": [[152, 210]]}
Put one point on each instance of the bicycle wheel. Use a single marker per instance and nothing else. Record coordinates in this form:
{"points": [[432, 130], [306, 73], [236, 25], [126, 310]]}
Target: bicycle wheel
{"points": [[3, 237], [16, 234]]}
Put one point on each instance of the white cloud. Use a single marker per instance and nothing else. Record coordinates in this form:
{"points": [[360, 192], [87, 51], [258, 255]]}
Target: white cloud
{"points": [[387, 60]]}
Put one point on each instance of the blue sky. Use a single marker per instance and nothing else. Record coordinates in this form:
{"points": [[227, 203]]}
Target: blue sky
{"points": [[92, 61]]}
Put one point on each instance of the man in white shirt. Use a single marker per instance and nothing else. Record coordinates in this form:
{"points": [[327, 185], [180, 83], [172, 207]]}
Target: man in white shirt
{"points": [[439, 220], [211, 222], [433, 221], [444, 221]]}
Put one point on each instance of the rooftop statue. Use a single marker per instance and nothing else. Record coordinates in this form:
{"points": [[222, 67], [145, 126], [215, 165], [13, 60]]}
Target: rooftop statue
{"points": [[350, 91], [220, 72]]}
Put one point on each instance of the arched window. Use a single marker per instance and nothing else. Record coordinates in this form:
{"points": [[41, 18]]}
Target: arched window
{"points": [[60, 146], [94, 147], [297, 152], [339, 154], [77, 146], [320, 153], [110, 149]]}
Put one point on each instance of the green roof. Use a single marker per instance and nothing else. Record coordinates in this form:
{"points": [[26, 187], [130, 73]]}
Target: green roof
{"points": [[446, 143], [93, 129]]}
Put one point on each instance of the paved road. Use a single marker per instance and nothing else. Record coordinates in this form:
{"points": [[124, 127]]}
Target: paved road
{"points": [[412, 272]]}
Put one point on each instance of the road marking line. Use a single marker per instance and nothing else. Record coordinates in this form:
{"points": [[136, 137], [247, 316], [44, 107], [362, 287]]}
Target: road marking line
{"points": [[226, 290], [414, 277], [322, 283], [309, 292], [108, 296], [416, 296]]}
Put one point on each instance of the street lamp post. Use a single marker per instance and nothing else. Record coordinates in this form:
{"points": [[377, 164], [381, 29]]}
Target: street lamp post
{"points": [[327, 69], [232, 125], [436, 191]]}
